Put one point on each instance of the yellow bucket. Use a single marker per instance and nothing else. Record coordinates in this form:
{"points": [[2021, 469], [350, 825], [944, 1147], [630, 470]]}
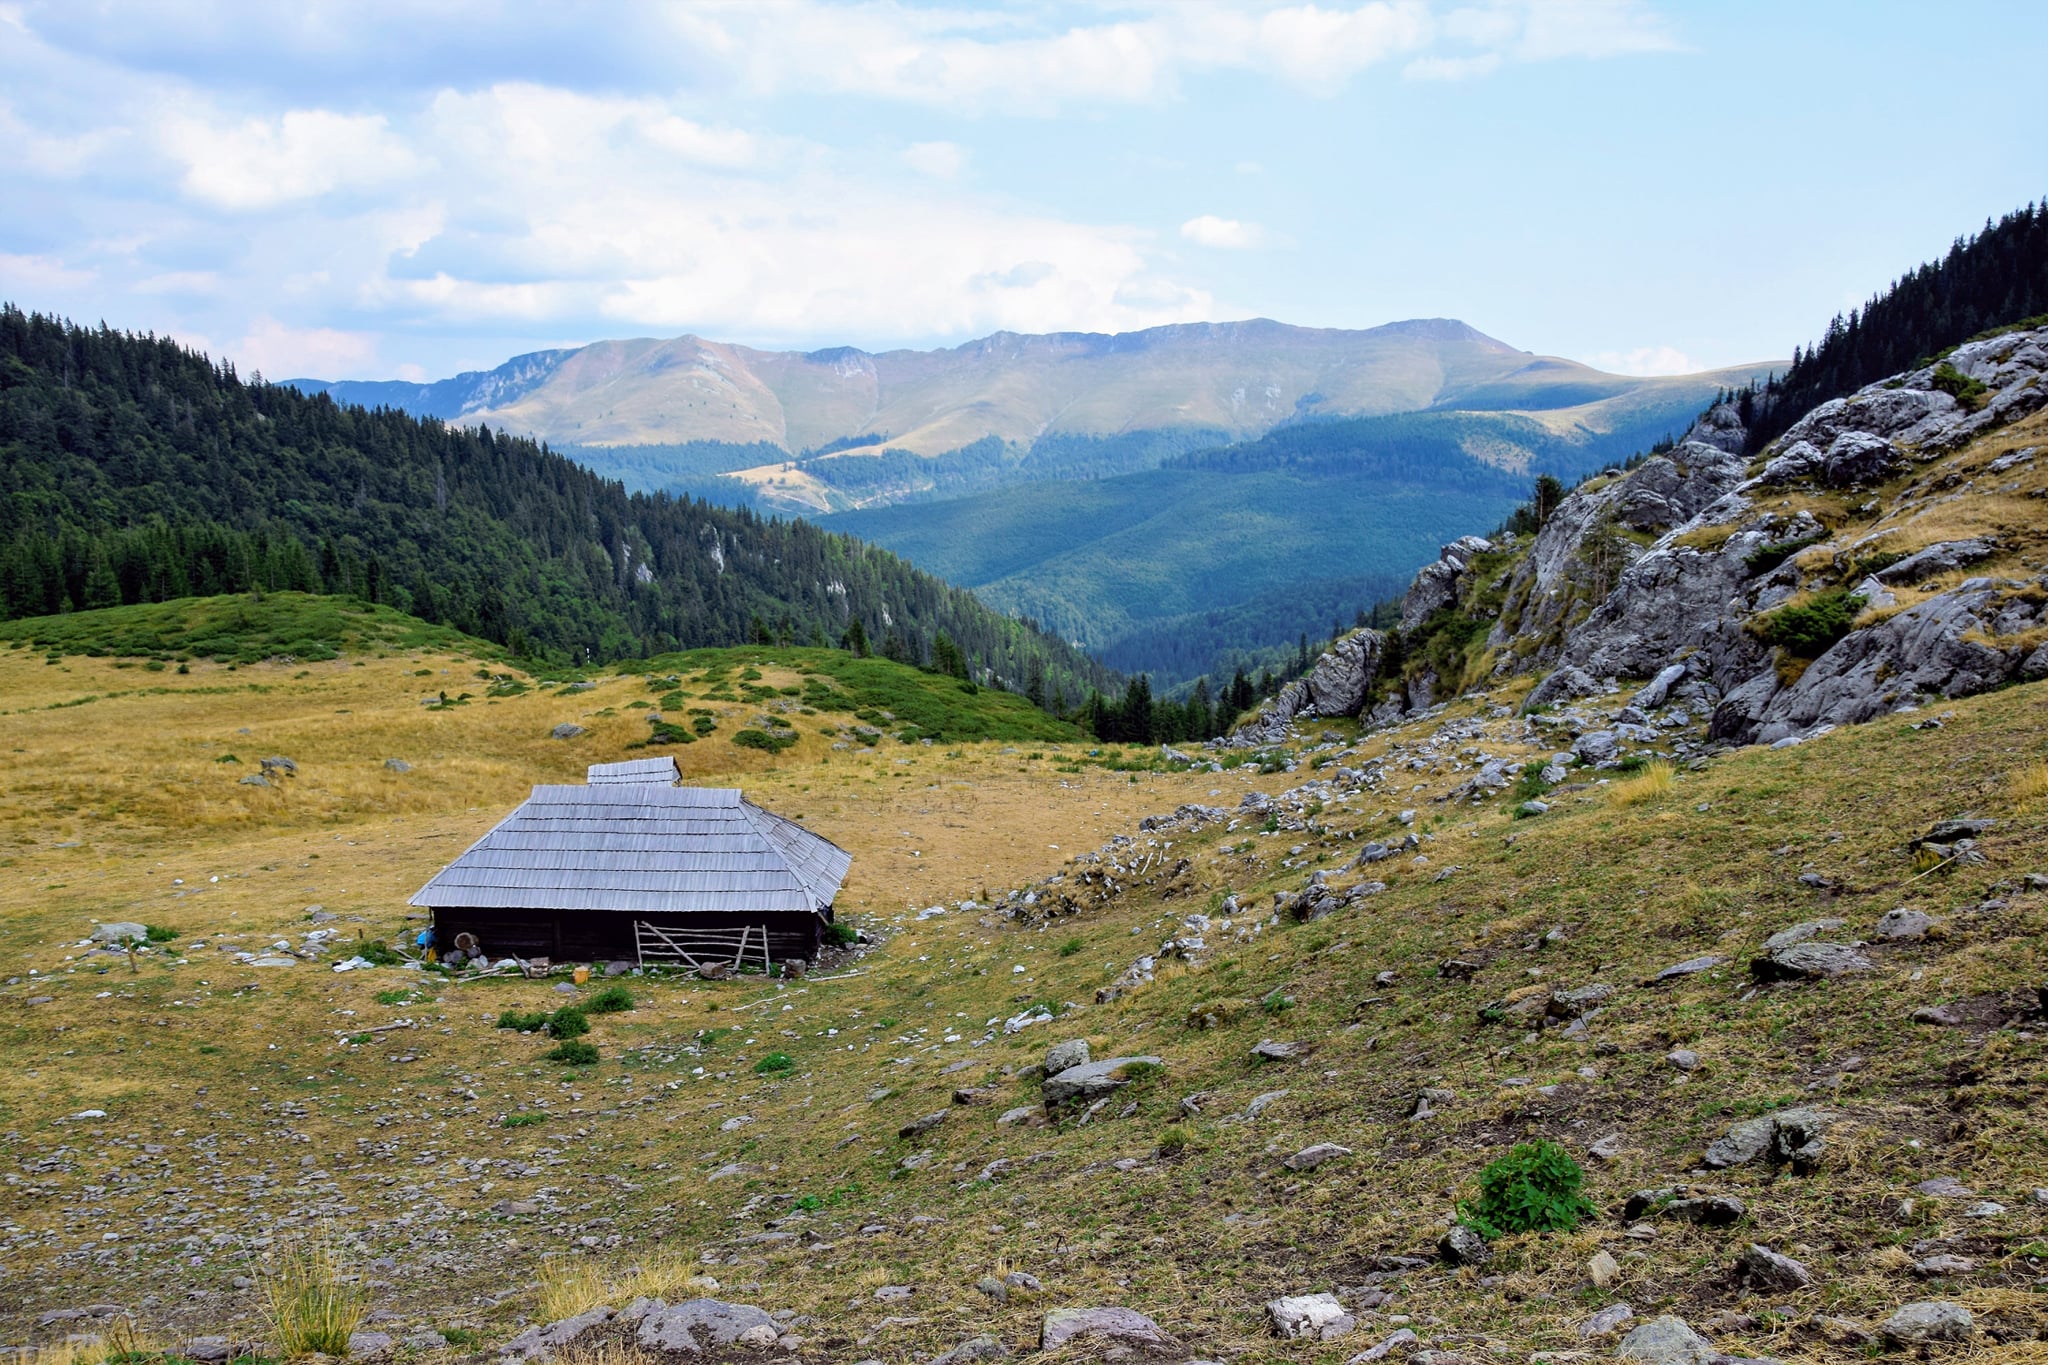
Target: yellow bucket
{"points": [[581, 975]]}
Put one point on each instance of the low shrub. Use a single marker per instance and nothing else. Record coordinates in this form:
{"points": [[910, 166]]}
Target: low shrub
{"points": [[572, 1052], [524, 1021], [774, 1064], [611, 1000], [1968, 393], [1071, 946], [568, 1022], [526, 1120], [377, 953], [1534, 1188], [1809, 629], [839, 934], [762, 740], [1172, 1143], [156, 933]]}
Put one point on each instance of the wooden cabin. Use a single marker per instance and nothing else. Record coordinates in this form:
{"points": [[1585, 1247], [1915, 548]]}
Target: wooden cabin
{"points": [[632, 868]]}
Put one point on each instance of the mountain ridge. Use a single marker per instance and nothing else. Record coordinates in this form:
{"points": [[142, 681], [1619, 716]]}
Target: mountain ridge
{"points": [[1243, 377]]}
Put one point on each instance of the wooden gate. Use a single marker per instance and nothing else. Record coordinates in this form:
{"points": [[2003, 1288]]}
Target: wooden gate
{"points": [[654, 943]]}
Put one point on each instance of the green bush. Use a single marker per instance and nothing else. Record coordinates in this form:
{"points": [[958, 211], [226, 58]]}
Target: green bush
{"points": [[377, 953], [156, 933], [1172, 1143], [1967, 392], [1534, 1188], [527, 1120], [761, 739], [568, 1022], [774, 1064], [572, 1053], [839, 934], [524, 1021], [1769, 556], [1809, 630], [1071, 946], [610, 1000]]}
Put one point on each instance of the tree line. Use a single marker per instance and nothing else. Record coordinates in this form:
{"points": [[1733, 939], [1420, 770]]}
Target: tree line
{"points": [[132, 468]]}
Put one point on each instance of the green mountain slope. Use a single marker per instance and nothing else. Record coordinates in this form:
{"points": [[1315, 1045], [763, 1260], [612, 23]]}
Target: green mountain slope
{"points": [[133, 470], [1231, 551]]}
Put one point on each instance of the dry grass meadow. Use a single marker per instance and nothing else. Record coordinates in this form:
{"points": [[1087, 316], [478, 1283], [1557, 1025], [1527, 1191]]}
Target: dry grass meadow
{"points": [[249, 1112]]}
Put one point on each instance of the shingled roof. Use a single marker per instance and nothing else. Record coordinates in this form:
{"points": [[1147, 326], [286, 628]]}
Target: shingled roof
{"points": [[641, 848], [635, 771]]}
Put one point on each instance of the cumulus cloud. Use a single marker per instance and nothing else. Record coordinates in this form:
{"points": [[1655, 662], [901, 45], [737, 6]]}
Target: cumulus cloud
{"points": [[1226, 233], [262, 162], [1647, 360]]}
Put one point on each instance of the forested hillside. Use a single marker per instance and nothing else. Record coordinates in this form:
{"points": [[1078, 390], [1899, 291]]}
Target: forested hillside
{"points": [[134, 470], [1992, 279]]}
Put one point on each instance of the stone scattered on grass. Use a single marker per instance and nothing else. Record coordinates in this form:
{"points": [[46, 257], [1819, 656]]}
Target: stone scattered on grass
{"points": [[1764, 1269], [1104, 1327], [1316, 1316], [1927, 1322]]}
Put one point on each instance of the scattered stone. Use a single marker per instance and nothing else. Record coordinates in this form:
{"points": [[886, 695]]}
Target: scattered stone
{"points": [[1607, 1148], [1095, 1080], [1990, 1208], [893, 1293], [924, 1124], [1403, 1340], [254, 780], [1271, 1051], [1462, 1246], [1064, 1056], [1764, 1269], [1792, 1135], [1839, 1331], [1666, 1340], [1918, 1324], [1809, 962], [1606, 1322], [566, 730], [1111, 1326], [1603, 1269], [210, 1350], [1690, 967], [691, 1326], [974, 1348], [426, 1340], [1023, 1113], [370, 1343], [1904, 926], [542, 1340], [1799, 933], [1935, 1266], [1684, 1059], [1944, 1187], [1317, 1316], [399, 765], [1308, 1158]]}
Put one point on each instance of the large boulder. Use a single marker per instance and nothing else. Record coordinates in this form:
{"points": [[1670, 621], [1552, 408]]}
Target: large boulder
{"points": [[1666, 1340], [1933, 648], [1104, 1327], [1436, 585], [542, 1340], [692, 1326], [1338, 683], [1920, 1324], [1092, 1080]]}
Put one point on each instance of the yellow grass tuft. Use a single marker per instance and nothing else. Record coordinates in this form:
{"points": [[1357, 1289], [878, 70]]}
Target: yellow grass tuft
{"points": [[570, 1285], [312, 1304], [1649, 784], [2028, 786]]}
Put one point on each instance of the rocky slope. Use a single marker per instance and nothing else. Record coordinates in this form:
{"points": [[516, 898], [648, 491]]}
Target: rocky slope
{"points": [[1886, 552]]}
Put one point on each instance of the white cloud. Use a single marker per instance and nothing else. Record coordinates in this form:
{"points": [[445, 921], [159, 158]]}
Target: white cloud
{"points": [[941, 160], [1647, 360], [1451, 68], [260, 163], [283, 352], [1225, 233]]}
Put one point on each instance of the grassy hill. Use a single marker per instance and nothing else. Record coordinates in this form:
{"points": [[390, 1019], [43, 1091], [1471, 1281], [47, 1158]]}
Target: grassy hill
{"points": [[214, 1114]]}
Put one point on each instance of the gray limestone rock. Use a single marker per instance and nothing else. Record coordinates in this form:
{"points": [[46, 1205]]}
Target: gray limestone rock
{"points": [[114, 931], [696, 1324], [1799, 933], [1606, 1322], [370, 1343], [1780, 1136], [1103, 1327], [1462, 1246], [1666, 1340], [1061, 1056], [1809, 961], [1945, 557], [1092, 1081], [1764, 1269], [1904, 925], [542, 1340], [1929, 1321], [1309, 1158], [1318, 1317], [1659, 688], [566, 730]]}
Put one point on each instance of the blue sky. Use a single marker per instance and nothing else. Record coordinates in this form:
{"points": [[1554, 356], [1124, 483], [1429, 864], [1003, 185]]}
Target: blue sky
{"points": [[368, 190]]}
